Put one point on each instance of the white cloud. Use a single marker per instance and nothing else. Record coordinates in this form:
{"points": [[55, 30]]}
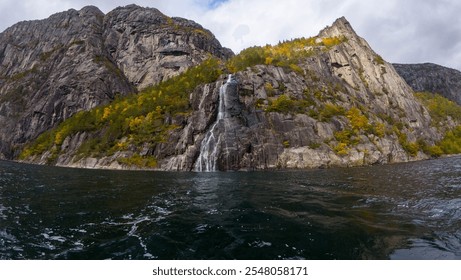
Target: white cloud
{"points": [[264, 22], [410, 31]]}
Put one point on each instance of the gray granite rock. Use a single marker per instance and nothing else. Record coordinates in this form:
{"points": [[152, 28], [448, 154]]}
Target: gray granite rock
{"points": [[76, 60], [432, 78]]}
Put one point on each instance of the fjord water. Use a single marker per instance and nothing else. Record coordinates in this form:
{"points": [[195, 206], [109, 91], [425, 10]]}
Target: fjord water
{"points": [[401, 211]]}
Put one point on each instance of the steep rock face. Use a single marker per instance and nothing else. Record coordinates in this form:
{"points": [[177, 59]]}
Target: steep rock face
{"points": [[342, 106], [349, 75], [51, 69], [150, 47], [432, 78], [76, 60]]}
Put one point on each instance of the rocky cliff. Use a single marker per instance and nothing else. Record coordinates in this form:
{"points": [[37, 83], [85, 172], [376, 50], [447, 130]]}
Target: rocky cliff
{"points": [[76, 60], [324, 101], [337, 109], [432, 78]]}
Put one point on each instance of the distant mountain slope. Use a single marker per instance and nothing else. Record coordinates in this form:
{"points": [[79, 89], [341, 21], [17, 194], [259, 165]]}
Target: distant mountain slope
{"points": [[329, 100], [432, 78], [76, 60]]}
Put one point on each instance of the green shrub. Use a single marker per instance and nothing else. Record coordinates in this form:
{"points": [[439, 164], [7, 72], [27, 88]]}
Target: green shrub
{"points": [[433, 151], [378, 129], [356, 119], [344, 136], [259, 103], [139, 161], [297, 69], [412, 148], [247, 58], [451, 143], [286, 144], [314, 145], [341, 149], [283, 104], [439, 107], [333, 41], [330, 110], [269, 89], [379, 60]]}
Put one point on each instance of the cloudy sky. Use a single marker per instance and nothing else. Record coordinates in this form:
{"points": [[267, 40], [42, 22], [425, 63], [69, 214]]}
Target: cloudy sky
{"points": [[405, 31]]}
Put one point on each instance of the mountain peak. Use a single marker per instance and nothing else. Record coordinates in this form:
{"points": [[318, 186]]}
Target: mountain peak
{"points": [[133, 8], [341, 21], [340, 27], [92, 10]]}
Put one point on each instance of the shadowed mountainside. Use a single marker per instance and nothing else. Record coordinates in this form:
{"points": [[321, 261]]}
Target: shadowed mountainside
{"points": [[76, 60], [432, 78]]}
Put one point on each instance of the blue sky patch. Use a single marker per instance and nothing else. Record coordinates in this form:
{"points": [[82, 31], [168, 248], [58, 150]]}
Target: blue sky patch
{"points": [[212, 4]]}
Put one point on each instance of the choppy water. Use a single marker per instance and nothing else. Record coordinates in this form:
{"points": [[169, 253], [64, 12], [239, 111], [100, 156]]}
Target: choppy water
{"points": [[402, 211]]}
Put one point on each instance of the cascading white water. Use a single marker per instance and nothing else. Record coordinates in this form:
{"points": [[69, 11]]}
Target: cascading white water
{"points": [[207, 160]]}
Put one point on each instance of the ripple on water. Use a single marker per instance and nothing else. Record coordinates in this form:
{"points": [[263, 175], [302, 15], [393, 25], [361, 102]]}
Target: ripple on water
{"points": [[4, 235], [444, 211], [3, 212], [406, 211], [54, 238], [201, 228], [429, 249]]}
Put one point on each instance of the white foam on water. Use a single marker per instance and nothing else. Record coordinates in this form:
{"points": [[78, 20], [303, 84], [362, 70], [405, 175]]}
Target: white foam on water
{"points": [[213, 212], [7, 236], [54, 237], [261, 244], [2, 210], [201, 228], [132, 233], [128, 216]]}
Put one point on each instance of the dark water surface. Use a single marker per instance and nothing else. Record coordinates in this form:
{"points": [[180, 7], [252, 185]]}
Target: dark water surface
{"points": [[402, 211]]}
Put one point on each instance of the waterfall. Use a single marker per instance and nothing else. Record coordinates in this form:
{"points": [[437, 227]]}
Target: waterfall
{"points": [[207, 160]]}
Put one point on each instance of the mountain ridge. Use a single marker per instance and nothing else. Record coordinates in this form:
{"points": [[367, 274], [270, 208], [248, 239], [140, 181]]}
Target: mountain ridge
{"points": [[76, 60], [433, 78], [324, 101]]}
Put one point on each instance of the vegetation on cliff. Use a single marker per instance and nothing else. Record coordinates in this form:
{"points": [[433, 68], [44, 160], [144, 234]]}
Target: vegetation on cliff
{"points": [[443, 112], [74, 61], [145, 118], [130, 128], [285, 54]]}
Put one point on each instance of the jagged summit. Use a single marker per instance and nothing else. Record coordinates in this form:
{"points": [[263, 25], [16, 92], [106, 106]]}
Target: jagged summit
{"points": [[340, 27], [85, 11], [91, 10], [135, 13]]}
